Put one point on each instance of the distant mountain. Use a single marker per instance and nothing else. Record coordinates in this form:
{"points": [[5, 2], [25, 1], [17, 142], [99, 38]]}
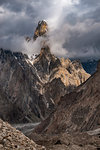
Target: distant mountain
{"points": [[90, 66]]}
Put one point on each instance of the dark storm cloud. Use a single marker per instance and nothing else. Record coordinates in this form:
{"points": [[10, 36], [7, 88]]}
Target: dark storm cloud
{"points": [[76, 28], [84, 30], [12, 5], [90, 3]]}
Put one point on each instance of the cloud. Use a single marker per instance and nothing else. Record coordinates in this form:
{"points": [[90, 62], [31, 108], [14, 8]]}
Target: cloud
{"points": [[74, 26]]}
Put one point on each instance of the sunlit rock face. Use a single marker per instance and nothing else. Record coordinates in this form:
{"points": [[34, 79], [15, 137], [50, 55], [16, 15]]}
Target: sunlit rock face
{"points": [[71, 73], [41, 29], [53, 71]]}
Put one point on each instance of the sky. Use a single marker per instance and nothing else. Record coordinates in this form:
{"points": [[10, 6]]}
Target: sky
{"points": [[74, 26]]}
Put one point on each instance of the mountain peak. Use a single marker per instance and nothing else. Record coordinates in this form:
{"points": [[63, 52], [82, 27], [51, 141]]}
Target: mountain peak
{"points": [[41, 29], [45, 50]]}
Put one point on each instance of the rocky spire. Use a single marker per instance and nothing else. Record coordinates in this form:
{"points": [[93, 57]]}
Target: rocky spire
{"points": [[41, 29]]}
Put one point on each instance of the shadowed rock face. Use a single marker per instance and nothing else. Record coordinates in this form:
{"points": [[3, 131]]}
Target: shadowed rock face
{"points": [[21, 85], [45, 63], [76, 111]]}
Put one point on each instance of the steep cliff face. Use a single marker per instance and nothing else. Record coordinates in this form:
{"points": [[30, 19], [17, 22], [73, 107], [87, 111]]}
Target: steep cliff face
{"points": [[21, 84], [77, 111], [45, 62], [59, 76]]}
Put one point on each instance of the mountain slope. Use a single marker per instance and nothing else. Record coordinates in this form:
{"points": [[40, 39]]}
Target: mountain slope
{"points": [[76, 111], [66, 141]]}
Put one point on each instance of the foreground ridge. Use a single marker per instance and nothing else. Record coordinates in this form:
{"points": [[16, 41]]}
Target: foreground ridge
{"points": [[11, 139]]}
